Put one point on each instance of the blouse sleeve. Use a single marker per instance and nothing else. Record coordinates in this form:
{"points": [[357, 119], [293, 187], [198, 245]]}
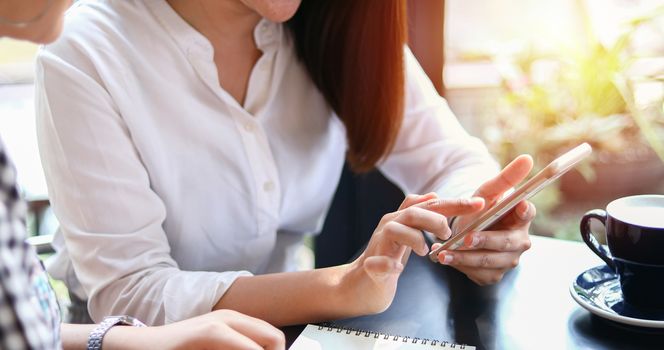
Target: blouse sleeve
{"points": [[110, 217], [432, 151]]}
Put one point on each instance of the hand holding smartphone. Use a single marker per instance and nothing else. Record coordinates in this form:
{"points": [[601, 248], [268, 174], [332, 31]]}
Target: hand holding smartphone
{"points": [[491, 215]]}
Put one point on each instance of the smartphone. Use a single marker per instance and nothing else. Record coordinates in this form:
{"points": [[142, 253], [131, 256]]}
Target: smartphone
{"points": [[491, 215]]}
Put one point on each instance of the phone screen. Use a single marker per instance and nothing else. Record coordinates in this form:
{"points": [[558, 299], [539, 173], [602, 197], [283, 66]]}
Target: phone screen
{"points": [[493, 214]]}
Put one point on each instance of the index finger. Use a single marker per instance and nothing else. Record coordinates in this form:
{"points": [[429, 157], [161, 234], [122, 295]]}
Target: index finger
{"points": [[413, 199], [453, 206], [510, 176]]}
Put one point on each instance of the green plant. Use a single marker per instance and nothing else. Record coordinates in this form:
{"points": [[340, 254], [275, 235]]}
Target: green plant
{"points": [[550, 103]]}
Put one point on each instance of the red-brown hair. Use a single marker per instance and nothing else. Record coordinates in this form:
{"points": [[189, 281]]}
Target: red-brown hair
{"points": [[353, 51]]}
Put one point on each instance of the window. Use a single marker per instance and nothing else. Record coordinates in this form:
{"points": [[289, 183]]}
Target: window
{"points": [[537, 77]]}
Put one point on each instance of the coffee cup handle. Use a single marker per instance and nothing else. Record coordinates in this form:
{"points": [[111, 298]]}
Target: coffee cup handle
{"points": [[590, 240]]}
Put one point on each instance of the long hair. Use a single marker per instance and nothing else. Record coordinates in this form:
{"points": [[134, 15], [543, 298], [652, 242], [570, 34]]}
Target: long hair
{"points": [[353, 51]]}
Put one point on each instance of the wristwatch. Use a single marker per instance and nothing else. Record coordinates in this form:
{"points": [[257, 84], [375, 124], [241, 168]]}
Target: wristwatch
{"points": [[97, 335]]}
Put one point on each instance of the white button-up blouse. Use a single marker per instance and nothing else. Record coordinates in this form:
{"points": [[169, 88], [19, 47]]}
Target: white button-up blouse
{"points": [[167, 189]]}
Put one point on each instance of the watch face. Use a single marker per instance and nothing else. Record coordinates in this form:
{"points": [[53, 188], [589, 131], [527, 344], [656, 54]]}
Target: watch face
{"points": [[130, 321]]}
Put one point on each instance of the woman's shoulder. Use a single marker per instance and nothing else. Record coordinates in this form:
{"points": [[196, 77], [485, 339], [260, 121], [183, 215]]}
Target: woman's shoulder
{"points": [[107, 26]]}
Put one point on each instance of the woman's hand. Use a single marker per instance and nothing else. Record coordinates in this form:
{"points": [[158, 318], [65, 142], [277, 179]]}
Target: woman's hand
{"points": [[221, 329], [371, 279], [488, 255]]}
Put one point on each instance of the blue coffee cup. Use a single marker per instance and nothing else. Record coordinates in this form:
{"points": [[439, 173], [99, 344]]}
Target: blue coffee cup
{"points": [[635, 237]]}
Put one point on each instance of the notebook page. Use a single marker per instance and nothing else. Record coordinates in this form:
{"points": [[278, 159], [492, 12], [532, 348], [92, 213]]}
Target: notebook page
{"points": [[328, 338]]}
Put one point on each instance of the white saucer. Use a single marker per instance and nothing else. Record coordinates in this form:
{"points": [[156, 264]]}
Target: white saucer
{"points": [[598, 291]]}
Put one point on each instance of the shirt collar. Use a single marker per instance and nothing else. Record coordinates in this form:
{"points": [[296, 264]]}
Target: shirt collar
{"points": [[267, 34]]}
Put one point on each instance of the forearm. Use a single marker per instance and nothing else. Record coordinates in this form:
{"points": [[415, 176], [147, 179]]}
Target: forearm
{"points": [[75, 336], [294, 297]]}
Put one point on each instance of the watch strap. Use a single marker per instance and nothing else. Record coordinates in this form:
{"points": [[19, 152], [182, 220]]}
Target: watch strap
{"points": [[97, 335]]}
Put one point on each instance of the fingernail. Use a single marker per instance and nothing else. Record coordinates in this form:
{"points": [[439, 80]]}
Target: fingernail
{"points": [[523, 215], [474, 200], [468, 240], [424, 250], [472, 241], [447, 233], [445, 259]]}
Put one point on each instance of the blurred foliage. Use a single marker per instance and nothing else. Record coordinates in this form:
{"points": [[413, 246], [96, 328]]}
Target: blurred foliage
{"points": [[550, 103]]}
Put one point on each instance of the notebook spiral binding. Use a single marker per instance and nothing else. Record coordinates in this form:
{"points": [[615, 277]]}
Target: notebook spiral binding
{"points": [[331, 327]]}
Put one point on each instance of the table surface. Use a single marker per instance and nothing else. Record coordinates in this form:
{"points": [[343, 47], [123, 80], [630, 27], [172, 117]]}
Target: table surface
{"points": [[531, 308]]}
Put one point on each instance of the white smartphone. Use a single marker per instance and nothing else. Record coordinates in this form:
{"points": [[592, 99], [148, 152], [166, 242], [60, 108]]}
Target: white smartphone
{"points": [[491, 215]]}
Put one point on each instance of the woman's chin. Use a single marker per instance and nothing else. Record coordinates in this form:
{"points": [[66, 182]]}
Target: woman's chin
{"points": [[279, 11]]}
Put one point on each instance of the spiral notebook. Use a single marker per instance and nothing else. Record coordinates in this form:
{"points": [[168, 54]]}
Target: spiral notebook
{"points": [[330, 337]]}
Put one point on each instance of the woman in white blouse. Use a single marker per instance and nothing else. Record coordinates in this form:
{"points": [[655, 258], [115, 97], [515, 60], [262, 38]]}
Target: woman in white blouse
{"points": [[29, 314], [189, 146]]}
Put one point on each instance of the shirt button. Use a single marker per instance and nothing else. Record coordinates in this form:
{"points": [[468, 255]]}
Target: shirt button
{"points": [[249, 127], [268, 186]]}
